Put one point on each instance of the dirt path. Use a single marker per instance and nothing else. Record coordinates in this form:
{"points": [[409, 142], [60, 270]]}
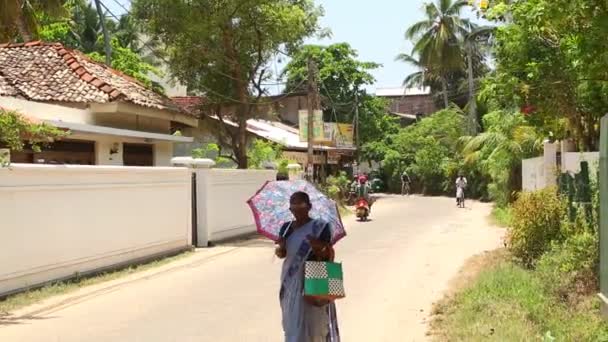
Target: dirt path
{"points": [[396, 266]]}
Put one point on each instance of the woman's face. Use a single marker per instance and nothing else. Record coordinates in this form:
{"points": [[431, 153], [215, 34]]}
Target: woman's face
{"points": [[299, 208]]}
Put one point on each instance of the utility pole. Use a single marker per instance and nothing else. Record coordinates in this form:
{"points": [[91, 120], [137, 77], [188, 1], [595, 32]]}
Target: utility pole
{"points": [[357, 129], [106, 35], [472, 99], [312, 104]]}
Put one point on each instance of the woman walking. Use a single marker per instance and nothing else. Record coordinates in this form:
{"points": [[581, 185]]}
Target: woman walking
{"points": [[304, 320]]}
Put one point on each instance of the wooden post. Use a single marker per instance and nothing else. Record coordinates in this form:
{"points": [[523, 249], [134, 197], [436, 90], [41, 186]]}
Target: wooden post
{"points": [[312, 103], [603, 228]]}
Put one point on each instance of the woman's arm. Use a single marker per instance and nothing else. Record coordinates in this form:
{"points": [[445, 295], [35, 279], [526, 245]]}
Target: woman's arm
{"points": [[281, 250]]}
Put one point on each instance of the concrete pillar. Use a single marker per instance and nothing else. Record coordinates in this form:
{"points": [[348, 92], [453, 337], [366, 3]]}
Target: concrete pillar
{"points": [[200, 196], [550, 164]]}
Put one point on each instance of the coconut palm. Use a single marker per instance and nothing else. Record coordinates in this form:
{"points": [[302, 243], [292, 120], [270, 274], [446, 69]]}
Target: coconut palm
{"points": [[507, 139], [18, 18], [424, 76], [437, 39]]}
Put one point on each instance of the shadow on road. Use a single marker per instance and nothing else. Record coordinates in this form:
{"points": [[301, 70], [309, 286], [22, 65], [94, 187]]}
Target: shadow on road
{"points": [[8, 319]]}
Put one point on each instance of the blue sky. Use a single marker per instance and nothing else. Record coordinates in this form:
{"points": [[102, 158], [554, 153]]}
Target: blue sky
{"points": [[375, 28]]}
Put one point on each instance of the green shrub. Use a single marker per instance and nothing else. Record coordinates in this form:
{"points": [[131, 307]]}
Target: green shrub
{"points": [[338, 186], [536, 223], [569, 269]]}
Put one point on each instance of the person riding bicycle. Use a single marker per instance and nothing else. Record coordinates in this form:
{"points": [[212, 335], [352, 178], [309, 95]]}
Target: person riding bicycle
{"points": [[405, 183], [461, 184]]}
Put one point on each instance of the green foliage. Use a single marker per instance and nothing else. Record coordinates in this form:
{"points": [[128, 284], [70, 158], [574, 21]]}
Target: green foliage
{"points": [[569, 269], [502, 216], [222, 47], [342, 78], [499, 150], [536, 224], [427, 150], [262, 153], [552, 57], [337, 187], [15, 130], [213, 152], [130, 63], [20, 19]]}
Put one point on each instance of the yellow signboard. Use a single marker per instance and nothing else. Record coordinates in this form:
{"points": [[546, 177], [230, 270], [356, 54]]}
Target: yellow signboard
{"points": [[302, 157], [317, 132], [344, 135]]}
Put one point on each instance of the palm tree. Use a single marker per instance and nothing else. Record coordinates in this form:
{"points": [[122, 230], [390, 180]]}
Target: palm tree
{"points": [[507, 139], [425, 76], [18, 18], [437, 39]]}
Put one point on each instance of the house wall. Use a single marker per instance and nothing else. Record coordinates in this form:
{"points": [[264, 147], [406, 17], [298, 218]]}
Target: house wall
{"points": [[45, 111], [412, 104], [221, 199], [62, 220]]}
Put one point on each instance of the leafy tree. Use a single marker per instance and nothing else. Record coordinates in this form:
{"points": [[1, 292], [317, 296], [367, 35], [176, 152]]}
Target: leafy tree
{"points": [[437, 39], [222, 48], [19, 19], [262, 153], [342, 81], [551, 61], [427, 150], [499, 150], [15, 130], [342, 77], [81, 31], [132, 64]]}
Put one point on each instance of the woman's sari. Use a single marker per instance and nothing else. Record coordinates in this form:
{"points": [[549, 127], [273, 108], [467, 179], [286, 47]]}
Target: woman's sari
{"points": [[303, 322]]}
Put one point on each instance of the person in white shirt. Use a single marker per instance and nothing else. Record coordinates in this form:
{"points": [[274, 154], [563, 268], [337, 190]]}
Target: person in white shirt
{"points": [[461, 184]]}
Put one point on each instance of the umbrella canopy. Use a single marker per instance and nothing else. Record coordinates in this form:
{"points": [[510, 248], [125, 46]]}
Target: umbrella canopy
{"points": [[270, 207]]}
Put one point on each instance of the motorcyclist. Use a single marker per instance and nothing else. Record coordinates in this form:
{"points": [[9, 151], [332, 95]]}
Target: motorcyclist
{"points": [[363, 190], [405, 183]]}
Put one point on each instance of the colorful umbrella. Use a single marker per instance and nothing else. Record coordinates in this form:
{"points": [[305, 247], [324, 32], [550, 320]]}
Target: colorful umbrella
{"points": [[270, 207]]}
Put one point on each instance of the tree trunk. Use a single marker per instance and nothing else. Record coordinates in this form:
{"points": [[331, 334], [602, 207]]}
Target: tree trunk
{"points": [[444, 89], [240, 152], [242, 91], [23, 28]]}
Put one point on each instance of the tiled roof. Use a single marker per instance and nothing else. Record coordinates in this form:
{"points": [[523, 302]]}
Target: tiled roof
{"points": [[50, 72], [188, 103]]}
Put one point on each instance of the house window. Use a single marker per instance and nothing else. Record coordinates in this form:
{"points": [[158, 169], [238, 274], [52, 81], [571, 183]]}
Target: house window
{"points": [[138, 154]]}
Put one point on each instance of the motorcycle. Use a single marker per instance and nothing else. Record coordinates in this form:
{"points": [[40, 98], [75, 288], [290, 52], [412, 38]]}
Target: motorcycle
{"points": [[362, 209]]}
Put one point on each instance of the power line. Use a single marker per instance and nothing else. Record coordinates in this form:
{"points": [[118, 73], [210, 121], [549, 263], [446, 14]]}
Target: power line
{"points": [[154, 52]]}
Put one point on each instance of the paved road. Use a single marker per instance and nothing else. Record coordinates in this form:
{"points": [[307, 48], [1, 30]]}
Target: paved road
{"points": [[395, 266]]}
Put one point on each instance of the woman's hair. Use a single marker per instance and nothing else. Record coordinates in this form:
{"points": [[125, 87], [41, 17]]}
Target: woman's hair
{"points": [[301, 196]]}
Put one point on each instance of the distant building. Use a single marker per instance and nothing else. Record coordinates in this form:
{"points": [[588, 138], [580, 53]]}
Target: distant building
{"points": [[409, 104]]}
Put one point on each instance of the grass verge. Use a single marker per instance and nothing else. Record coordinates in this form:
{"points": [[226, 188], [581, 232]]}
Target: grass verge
{"points": [[505, 302], [23, 299], [501, 216]]}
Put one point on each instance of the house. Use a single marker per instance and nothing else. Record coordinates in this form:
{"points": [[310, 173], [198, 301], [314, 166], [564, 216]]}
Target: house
{"points": [[111, 117], [275, 122], [409, 104]]}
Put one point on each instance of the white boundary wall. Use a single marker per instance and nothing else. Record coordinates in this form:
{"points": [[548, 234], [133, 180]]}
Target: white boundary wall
{"points": [[56, 221], [533, 172], [572, 161], [541, 172], [222, 195]]}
